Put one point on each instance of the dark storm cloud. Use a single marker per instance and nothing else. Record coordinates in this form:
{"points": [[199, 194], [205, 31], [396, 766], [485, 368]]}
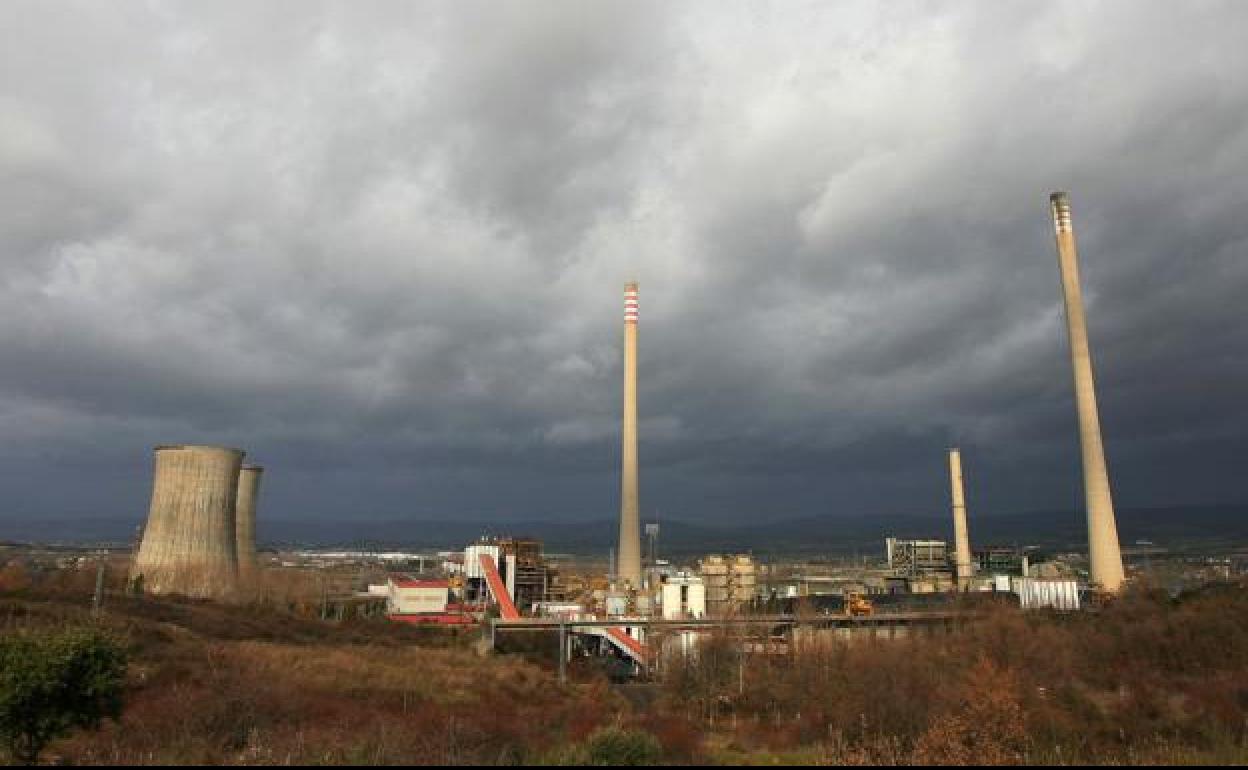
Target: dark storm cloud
{"points": [[382, 246]]}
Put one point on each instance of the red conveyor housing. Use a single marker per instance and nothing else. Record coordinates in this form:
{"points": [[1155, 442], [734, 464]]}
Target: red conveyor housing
{"points": [[507, 610], [506, 607], [634, 648]]}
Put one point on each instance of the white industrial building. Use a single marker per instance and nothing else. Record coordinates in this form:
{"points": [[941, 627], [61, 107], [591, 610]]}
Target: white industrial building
{"points": [[417, 597], [683, 596], [1037, 593]]}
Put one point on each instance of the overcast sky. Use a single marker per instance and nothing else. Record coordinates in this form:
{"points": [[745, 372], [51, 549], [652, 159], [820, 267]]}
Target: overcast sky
{"points": [[382, 247]]}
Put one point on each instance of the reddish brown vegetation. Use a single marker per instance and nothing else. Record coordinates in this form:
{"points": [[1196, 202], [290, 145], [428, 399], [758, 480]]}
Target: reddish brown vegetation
{"points": [[1146, 679]]}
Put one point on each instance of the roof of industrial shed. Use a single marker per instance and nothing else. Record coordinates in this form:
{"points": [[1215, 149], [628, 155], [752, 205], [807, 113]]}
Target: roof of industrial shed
{"points": [[409, 583]]}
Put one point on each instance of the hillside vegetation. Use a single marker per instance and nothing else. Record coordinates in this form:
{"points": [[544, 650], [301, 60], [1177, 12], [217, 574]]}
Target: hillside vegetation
{"points": [[1148, 679]]}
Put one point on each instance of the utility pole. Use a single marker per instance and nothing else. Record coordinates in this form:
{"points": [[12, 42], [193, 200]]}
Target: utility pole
{"points": [[563, 653], [99, 589]]}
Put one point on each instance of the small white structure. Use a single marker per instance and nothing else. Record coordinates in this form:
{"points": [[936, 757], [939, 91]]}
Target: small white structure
{"points": [[417, 597], [683, 596], [1035, 593], [472, 559], [616, 603], [565, 610]]}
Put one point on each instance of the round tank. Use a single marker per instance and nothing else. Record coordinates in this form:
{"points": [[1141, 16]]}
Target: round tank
{"points": [[189, 546], [245, 517]]}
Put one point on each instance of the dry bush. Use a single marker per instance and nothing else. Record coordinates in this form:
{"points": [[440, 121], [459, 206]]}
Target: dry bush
{"points": [[1144, 677], [986, 726], [14, 578]]}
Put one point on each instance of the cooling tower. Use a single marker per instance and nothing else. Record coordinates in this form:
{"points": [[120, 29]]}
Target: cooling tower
{"points": [[961, 540], [1104, 557], [189, 544], [245, 517], [629, 568]]}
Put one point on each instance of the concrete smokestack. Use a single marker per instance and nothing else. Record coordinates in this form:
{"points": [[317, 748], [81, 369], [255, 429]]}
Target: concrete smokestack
{"points": [[961, 539], [189, 545], [1104, 556], [245, 517], [629, 567]]}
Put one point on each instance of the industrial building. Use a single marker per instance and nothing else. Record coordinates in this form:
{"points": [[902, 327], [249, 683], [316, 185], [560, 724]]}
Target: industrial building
{"points": [[730, 582], [683, 596], [1000, 560], [405, 596], [913, 558], [526, 575], [1035, 593]]}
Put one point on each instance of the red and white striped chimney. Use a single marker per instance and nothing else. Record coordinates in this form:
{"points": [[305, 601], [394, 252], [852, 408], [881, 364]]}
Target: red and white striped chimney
{"points": [[630, 519]]}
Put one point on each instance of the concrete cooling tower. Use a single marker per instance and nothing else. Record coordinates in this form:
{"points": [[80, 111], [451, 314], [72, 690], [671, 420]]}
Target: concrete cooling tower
{"points": [[189, 544], [245, 518]]}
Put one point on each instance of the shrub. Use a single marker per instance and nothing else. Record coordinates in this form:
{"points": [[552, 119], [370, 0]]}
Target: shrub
{"points": [[54, 682], [616, 747]]}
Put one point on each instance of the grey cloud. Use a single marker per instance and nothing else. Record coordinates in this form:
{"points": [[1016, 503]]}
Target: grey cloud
{"points": [[383, 246]]}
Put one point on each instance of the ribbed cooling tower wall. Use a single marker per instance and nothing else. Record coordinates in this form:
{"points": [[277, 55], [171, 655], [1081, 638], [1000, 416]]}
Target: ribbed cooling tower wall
{"points": [[189, 545], [245, 517]]}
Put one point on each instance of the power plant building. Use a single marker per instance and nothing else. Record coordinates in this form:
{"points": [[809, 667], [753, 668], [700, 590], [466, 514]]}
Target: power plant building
{"points": [[190, 544], [1000, 560], [730, 581], [1104, 555], [683, 597], [911, 558], [526, 575], [405, 596]]}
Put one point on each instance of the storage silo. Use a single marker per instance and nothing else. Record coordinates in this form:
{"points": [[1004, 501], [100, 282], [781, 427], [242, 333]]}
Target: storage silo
{"points": [[189, 546], [245, 518]]}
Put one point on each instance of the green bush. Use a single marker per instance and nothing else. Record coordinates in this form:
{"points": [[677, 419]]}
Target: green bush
{"points": [[54, 682], [617, 747]]}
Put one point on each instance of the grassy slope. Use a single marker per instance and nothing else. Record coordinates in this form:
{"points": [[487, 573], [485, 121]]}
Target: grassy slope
{"points": [[1145, 680]]}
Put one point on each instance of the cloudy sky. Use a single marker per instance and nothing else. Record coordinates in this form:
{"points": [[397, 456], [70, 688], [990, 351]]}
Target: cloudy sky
{"points": [[382, 247]]}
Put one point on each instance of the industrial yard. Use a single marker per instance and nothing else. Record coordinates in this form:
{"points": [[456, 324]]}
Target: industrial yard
{"points": [[645, 614]]}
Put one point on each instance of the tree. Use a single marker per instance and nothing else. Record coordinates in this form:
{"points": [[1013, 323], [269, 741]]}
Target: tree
{"points": [[54, 682]]}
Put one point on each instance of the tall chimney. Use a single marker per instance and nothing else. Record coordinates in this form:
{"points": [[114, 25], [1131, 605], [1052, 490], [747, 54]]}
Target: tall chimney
{"points": [[1104, 557], [189, 544], [961, 540], [629, 566], [245, 517]]}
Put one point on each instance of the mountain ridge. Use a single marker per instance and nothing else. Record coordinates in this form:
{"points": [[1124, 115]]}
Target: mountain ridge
{"points": [[809, 533]]}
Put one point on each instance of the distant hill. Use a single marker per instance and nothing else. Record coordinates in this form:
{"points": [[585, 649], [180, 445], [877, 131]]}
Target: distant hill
{"points": [[814, 534]]}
